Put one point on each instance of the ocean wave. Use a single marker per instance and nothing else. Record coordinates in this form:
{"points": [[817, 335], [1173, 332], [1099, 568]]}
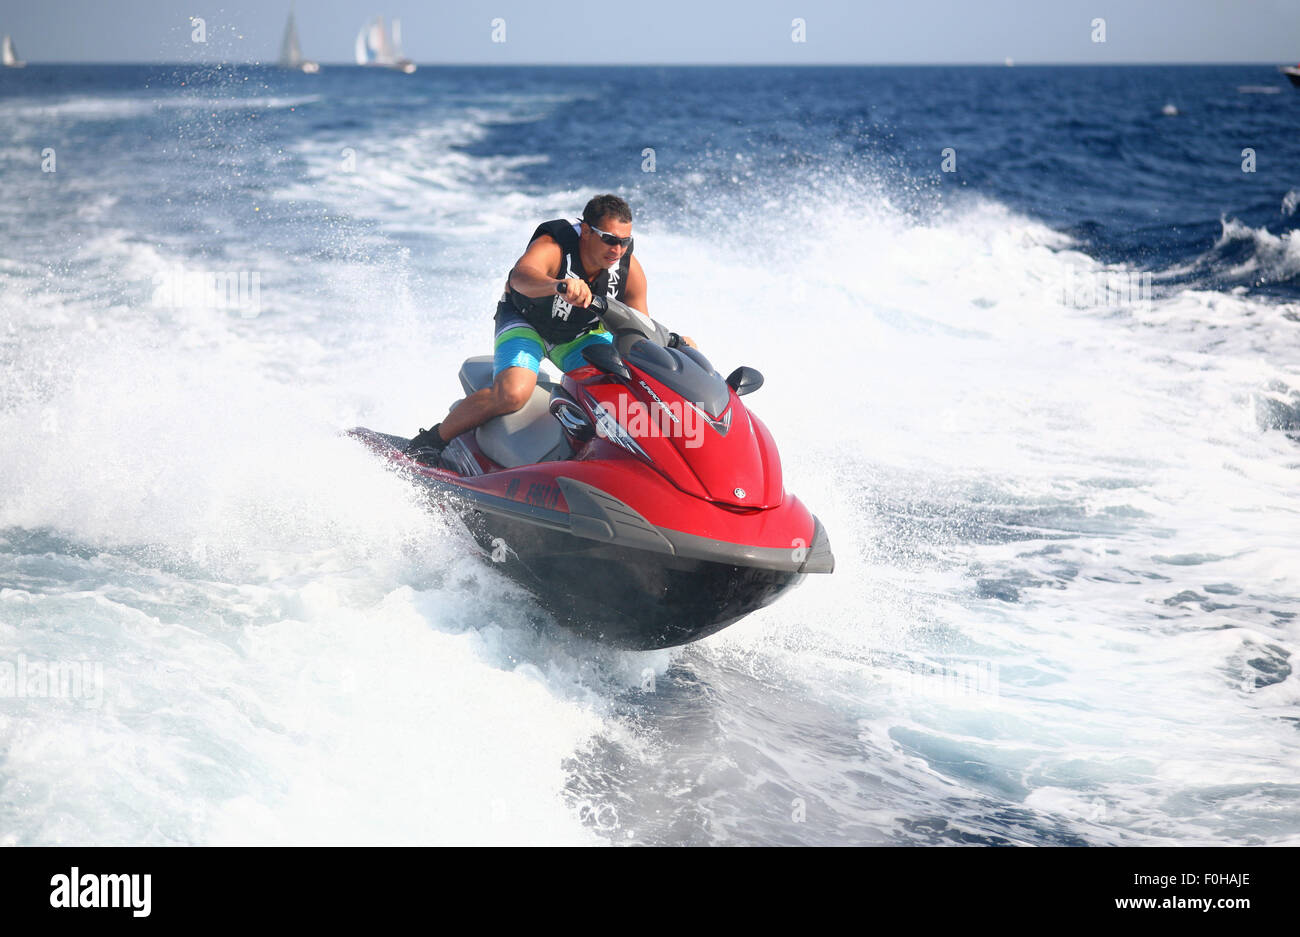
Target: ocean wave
{"points": [[99, 108], [1244, 256]]}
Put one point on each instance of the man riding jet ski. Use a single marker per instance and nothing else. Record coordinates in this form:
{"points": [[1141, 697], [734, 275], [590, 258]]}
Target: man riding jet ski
{"points": [[639, 500], [544, 313]]}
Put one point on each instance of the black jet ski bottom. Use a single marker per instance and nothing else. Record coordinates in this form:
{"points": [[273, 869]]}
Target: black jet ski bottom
{"points": [[626, 597]]}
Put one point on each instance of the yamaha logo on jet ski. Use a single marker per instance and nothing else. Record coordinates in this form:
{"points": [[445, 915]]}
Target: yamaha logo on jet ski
{"points": [[640, 541]]}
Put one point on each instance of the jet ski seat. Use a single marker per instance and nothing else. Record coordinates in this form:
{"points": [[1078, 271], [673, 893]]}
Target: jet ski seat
{"points": [[527, 436]]}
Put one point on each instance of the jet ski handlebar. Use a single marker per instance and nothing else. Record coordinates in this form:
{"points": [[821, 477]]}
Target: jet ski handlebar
{"points": [[627, 323]]}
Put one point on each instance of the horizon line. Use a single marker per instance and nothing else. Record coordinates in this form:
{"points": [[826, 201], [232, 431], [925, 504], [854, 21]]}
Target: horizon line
{"points": [[1014, 63]]}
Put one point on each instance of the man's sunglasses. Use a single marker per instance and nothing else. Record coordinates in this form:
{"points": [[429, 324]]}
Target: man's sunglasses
{"points": [[613, 240]]}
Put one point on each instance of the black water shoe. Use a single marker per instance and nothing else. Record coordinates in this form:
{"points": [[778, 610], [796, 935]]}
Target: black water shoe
{"points": [[427, 446]]}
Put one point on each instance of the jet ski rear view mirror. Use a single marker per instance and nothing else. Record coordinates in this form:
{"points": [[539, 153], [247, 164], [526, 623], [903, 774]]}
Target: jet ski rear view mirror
{"points": [[744, 380]]}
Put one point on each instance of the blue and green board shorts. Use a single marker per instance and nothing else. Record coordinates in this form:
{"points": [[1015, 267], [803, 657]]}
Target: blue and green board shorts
{"points": [[518, 345]]}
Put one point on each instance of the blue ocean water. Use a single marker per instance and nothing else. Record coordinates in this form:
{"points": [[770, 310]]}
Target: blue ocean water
{"points": [[1030, 344]]}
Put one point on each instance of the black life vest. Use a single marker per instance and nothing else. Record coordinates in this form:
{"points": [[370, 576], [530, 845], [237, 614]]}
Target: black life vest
{"points": [[554, 318]]}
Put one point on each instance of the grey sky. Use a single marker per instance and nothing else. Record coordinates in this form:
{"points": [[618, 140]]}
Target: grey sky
{"points": [[670, 31]]}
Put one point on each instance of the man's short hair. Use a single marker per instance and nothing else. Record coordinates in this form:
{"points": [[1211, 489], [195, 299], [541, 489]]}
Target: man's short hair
{"points": [[606, 206]]}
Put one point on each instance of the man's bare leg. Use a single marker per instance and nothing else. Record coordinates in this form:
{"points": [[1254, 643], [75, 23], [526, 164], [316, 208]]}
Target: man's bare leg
{"points": [[509, 392]]}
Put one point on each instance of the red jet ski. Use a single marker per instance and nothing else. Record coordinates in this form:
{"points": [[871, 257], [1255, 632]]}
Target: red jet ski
{"points": [[639, 499]]}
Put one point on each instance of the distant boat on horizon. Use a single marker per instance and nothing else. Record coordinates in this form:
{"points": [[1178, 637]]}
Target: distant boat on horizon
{"points": [[1292, 72], [375, 46], [291, 50], [10, 54]]}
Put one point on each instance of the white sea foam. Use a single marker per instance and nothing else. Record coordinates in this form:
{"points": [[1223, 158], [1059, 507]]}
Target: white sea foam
{"points": [[97, 107]]}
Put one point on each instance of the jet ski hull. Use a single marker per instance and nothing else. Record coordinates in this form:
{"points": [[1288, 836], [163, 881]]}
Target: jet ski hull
{"points": [[626, 597], [642, 585]]}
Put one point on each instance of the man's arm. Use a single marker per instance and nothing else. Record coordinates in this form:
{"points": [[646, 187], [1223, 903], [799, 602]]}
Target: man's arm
{"points": [[635, 294], [534, 274]]}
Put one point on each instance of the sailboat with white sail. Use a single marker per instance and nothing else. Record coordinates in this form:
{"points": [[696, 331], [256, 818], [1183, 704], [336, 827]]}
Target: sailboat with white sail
{"points": [[291, 51], [376, 46], [10, 54]]}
